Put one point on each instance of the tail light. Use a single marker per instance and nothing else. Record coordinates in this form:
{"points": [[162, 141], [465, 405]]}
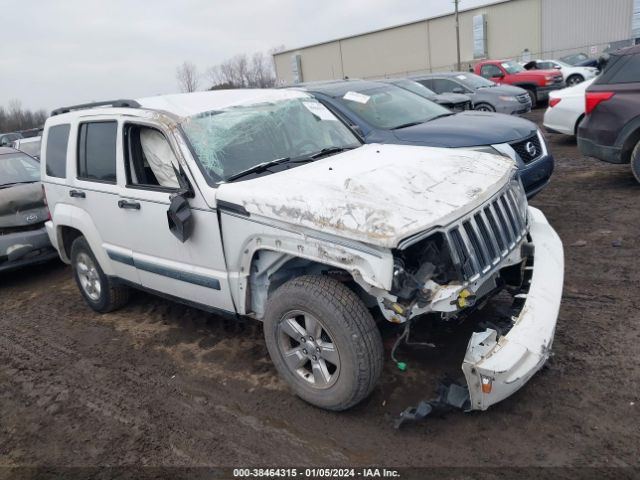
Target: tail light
{"points": [[554, 101], [593, 99], [46, 203]]}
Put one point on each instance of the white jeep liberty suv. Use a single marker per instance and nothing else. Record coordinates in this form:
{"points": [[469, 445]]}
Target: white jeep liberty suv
{"points": [[261, 203]]}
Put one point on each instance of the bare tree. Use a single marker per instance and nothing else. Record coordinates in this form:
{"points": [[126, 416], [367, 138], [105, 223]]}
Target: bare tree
{"points": [[187, 76], [243, 72], [14, 117]]}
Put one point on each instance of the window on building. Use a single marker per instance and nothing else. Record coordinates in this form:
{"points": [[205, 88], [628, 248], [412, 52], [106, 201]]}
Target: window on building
{"points": [[57, 140], [97, 151]]}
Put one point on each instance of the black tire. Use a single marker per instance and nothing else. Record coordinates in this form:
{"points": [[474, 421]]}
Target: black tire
{"points": [[635, 161], [484, 107], [349, 326], [534, 98], [574, 79], [109, 297]]}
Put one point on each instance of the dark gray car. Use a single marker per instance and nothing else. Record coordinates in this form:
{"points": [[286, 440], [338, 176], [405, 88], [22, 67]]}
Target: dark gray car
{"points": [[23, 238], [486, 95], [456, 102]]}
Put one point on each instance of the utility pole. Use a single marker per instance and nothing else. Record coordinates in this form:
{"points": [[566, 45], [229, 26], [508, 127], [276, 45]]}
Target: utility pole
{"points": [[457, 34]]}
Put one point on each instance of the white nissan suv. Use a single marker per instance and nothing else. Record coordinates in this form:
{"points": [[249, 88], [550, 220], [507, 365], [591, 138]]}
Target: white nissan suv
{"points": [[261, 203]]}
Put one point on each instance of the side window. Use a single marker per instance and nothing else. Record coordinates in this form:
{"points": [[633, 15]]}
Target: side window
{"points": [[442, 85], [628, 71], [490, 70], [427, 82], [57, 140], [97, 151], [149, 159]]}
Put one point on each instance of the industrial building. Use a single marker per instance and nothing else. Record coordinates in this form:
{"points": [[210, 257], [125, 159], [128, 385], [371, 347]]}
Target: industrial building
{"points": [[520, 29]]}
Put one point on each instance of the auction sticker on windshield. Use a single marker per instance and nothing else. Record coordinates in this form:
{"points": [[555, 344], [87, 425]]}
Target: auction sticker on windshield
{"points": [[320, 111], [356, 97]]}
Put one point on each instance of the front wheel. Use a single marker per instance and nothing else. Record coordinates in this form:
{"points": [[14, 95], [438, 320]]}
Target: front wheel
{"points": [[484, 107], [635, 161], [323, 341], [574, 80]]}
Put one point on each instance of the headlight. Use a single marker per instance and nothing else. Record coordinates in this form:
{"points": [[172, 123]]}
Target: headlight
{"points": [[508, 99], [519, 195]]}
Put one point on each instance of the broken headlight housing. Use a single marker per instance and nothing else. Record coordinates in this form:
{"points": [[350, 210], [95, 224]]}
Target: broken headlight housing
{"points": [[424, 260]]}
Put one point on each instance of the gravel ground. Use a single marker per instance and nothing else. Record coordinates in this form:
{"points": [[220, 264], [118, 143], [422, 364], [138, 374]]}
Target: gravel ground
{"points": [[157, 383]]}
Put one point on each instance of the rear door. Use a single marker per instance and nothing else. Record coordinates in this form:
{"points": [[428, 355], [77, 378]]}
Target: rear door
{"points": [[96, 193], [194, 270]]}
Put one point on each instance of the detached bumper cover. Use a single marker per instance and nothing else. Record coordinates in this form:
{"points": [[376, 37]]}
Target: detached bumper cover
{"points": [[508, 362], [25, 248]]}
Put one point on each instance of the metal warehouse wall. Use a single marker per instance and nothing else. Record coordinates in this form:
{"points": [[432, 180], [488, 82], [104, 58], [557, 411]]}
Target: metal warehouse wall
{"points": [[423, 46], [577, 25]]}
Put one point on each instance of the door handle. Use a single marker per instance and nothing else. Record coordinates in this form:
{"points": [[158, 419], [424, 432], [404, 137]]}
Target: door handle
{"points": [[77, 194], [129, 204]]}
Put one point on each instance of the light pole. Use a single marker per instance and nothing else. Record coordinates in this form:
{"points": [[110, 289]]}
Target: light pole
{"points": [[457, 34]]}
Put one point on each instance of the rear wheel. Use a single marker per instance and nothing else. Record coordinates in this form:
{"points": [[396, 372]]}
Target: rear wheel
{"points": [[635, 161], [98, 291], [575, 79], [484, 107], [323, 342]]}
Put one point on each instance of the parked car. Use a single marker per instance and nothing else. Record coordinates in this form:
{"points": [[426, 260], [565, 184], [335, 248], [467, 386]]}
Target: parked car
{"points": [[566, 109], [262, 203], [572, 74], [7, 138], [580, 60], [23, 238], [610, 130], [487, 96], [30, 146], [456, 102], [538, 83], [382, 113]]}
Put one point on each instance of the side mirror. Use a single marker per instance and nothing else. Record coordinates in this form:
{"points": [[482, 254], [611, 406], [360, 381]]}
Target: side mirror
{"points": [[458, 90], [499, 75], [180, 217]]}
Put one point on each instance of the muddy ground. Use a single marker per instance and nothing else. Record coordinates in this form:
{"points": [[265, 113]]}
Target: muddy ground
{"points": [[158, 383]]}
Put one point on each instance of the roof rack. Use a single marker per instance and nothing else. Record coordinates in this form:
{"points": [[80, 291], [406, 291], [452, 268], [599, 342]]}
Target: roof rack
{"points": [[110, 103]]}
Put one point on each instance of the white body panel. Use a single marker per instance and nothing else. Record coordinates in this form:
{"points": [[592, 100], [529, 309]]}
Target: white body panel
{"points": [[563, 117]]}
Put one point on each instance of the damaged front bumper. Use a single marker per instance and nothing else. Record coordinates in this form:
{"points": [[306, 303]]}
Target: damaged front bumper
{"points": [[497, 366], [18, 249]]}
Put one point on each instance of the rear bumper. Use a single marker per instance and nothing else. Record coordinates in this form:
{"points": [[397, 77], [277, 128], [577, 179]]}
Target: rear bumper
{"points": [[536, 175], [508, 362], [605, 153], [25, 248]]}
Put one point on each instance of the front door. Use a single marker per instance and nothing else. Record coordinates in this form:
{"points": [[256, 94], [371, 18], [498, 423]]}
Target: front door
{"points": [[194, 270]]}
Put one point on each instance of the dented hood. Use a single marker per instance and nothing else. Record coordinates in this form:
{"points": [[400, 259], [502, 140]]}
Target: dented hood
{"points": [[22, 205], [376, 194]]}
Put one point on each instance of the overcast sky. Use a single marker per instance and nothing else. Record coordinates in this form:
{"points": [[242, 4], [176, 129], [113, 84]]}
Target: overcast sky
{"points": [[55, 53]]}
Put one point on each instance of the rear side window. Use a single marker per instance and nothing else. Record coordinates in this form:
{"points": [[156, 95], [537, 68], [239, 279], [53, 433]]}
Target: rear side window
{"points": [[626, 72], [97, 151], [57, 141]]}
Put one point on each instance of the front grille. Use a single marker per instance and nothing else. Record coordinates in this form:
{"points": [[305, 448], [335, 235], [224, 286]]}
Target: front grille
{"points": [[524, 98], [528, 149], [557, 79], [481, 240]]}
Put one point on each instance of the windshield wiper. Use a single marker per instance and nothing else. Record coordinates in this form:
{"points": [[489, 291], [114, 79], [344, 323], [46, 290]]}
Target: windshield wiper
{"points": [[328, 151], [410, 124], [7, 185], [261, 167]]}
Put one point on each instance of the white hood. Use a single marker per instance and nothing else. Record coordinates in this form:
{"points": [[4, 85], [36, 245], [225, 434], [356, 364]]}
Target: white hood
{"points": [[376, 194]]}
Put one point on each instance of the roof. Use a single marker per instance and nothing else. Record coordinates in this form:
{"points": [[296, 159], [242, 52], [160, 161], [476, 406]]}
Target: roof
{"points": [[188, 104], [183, 104], [440, 74], [337, 88]]}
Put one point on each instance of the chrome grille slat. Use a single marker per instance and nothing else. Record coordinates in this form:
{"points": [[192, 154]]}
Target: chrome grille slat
{"points": [[487, 235]]}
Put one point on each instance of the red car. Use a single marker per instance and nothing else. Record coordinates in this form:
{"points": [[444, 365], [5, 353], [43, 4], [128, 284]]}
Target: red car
{"points": [[537, 82]]}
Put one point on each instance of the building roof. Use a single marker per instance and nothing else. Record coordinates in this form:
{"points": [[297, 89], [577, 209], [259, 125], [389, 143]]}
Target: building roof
{"points": [[486, 3]]}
